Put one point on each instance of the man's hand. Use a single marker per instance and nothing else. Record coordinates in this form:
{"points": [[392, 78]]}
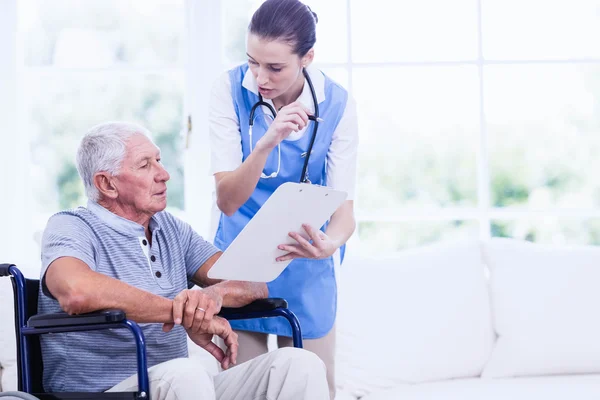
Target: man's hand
{"points": [[220, 327], [195, 309]]}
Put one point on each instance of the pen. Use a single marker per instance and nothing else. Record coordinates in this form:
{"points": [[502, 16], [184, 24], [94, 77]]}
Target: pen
{"points": [[313, 118]]}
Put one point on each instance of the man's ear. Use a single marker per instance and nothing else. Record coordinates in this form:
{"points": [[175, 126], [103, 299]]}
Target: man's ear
{"points": [[105, 185], [308, 58]]}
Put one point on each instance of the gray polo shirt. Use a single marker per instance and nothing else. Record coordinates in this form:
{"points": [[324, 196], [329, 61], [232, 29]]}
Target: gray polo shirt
{"points": [[95, 361]]}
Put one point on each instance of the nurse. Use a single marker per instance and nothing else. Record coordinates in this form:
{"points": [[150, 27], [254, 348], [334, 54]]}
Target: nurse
{"points": [[277, 119]]}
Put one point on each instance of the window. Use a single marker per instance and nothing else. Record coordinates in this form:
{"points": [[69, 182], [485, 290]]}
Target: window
{"points": [[84, 63], [467, 129]]}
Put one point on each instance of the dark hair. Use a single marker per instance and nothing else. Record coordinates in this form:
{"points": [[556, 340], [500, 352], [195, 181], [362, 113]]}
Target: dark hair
{"points": [[287, 20]]}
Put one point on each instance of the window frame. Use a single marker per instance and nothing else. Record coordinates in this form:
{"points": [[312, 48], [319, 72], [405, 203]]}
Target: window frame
{"points": [[484, 213]]}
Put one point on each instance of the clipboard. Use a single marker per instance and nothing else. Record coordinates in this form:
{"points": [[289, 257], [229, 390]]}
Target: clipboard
{"points": [[251, 256]]}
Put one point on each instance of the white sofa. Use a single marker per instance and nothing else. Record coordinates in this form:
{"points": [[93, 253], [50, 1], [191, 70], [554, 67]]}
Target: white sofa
{"points": [[503, 319], [498, 320]]}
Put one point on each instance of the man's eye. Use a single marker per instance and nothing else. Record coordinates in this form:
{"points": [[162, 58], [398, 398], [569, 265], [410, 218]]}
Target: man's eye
{"points": [[275, 69], [144, 165], [158, 160]]}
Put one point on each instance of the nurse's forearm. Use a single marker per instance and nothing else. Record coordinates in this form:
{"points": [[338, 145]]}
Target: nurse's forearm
{"points": [[234, 188], [342, 223]]}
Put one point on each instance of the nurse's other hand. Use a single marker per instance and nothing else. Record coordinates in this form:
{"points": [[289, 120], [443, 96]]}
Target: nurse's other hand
{"points": [[291, 118], [321, 247]]}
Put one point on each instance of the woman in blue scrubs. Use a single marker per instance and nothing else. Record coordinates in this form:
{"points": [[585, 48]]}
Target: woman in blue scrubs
{"points": [[279, 93]]}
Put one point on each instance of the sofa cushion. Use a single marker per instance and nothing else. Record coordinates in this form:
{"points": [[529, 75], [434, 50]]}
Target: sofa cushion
{"points": [[545, 302], [420, 315], [582, 387]]}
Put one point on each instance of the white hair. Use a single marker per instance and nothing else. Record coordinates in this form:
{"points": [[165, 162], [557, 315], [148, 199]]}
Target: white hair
{"points": [[103, 148]]}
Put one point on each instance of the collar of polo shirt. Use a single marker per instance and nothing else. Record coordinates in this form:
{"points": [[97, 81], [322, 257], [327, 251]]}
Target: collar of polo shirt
{"points": [[121, 224]]}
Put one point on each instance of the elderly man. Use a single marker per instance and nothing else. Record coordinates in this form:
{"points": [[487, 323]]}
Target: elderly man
{"points": [[124, 251]]}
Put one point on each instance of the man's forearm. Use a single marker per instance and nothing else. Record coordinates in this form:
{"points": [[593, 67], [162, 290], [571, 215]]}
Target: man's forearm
{"points": [[238, 293], [233, 293], [139, 305], [86, 291]]}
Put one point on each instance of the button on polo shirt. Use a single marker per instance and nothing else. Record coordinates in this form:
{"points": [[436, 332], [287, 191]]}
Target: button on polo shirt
{"points": [[154, 265]]}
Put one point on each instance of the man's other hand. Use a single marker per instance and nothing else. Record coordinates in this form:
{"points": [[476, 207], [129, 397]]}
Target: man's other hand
{"points": [[220, 327]]}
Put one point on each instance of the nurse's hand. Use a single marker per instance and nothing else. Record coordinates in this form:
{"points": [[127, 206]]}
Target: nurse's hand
{"points": [[291, 118], [321, 247]]}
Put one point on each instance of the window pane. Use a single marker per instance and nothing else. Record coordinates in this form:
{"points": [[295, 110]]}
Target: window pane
{"points": [[544, 127], [63, 107], [424, 30], [418, 131], [102, 33], [235, 17], [331, 43], [539, 29], [550, 230], [339, 75], [387, 236], [332, 36]]}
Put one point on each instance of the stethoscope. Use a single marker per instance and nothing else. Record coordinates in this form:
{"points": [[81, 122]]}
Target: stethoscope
{"points": [[315, 119]]}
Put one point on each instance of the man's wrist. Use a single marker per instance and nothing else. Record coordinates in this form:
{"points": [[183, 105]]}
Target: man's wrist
{"points": [[219, 289], [171, 319]]}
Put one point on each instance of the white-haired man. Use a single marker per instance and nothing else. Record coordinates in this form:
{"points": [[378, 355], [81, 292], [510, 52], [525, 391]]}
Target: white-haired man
{"points": [[124, 251]]}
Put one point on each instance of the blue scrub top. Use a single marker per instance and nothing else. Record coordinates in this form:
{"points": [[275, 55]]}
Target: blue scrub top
{"points": [[309, 286]]}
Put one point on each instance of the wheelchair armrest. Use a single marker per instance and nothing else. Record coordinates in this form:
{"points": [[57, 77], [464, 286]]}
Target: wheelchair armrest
{"points": [[4, 269], [260, 305], [64, 319]]}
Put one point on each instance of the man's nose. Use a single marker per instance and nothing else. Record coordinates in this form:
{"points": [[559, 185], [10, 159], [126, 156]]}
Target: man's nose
{"points": [[162, 175]]}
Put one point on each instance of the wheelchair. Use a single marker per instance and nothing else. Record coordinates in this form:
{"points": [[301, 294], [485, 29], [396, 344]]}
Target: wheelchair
{"points": [[29, 325]]}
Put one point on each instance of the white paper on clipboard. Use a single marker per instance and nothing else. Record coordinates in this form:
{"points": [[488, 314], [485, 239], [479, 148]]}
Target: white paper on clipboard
{"points": [[251, 256]]}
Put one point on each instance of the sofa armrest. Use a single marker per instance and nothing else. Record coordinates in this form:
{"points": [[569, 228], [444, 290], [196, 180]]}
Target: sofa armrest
{"points": [[260, 305], [63, 319]]}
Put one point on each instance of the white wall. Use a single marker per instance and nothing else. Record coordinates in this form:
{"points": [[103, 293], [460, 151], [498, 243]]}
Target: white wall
{"points": [[12, 187], [16, 244]]}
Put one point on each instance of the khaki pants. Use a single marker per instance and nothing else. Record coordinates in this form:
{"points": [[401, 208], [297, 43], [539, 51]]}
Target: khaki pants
{"points": [[253, 344], [279, 375]]}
